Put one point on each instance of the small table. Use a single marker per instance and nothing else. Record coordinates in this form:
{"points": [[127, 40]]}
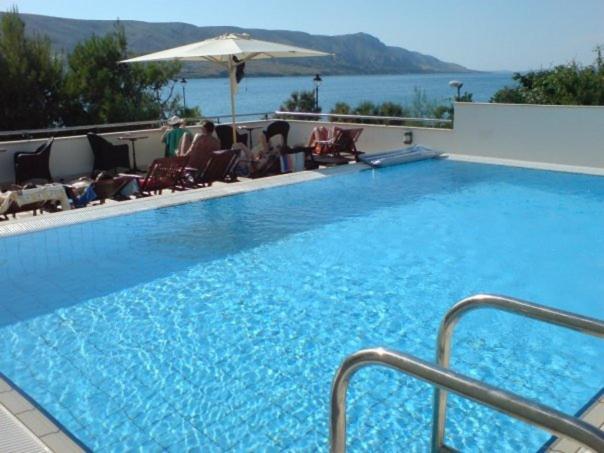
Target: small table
{"points": [[132, 139], [249, 130]]}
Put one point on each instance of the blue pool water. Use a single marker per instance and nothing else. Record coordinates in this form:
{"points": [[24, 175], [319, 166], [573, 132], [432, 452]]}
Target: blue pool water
{"points": [[218, 325]]}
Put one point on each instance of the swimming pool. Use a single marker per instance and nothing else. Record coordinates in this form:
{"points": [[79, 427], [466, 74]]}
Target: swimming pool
{"points": [[219, 325]]}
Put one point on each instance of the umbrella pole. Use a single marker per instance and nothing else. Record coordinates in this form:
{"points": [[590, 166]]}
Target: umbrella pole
{"points": [[233, 85]]}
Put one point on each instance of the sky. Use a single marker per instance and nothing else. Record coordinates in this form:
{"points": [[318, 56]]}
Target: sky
{"points": [[511, 35]]}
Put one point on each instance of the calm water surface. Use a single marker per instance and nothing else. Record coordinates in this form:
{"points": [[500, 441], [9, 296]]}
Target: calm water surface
{"points": [[266, 94]]}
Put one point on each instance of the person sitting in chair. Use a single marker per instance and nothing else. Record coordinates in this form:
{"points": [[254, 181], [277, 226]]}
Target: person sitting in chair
{"points": [[259, 158], [175, 136], [202, 147], [320, 137]]}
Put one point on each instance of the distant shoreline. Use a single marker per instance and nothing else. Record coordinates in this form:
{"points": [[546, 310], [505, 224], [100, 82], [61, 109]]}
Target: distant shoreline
{"points": [[261, 76]]}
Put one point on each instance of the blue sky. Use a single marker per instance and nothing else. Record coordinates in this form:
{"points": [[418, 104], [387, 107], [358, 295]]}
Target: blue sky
{"points": [[480, 34]]}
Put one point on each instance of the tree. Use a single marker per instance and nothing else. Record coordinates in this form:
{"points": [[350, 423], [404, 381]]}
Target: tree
{"points": [[570, 84], [31, 78], [301, 101], [100, 89]]}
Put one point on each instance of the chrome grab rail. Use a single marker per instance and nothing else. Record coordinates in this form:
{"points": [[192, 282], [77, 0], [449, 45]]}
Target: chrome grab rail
{"points": [[555, 422], [549, 315]]}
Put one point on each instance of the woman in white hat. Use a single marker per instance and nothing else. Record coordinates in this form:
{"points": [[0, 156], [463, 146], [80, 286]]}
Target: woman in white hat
{"points": [[175, 137]]}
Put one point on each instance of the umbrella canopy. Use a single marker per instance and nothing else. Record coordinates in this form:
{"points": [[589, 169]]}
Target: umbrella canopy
{"points": [[230, 51]]}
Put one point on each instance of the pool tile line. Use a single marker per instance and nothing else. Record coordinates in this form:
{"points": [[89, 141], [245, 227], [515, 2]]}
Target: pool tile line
{"points": [[186, 378]]}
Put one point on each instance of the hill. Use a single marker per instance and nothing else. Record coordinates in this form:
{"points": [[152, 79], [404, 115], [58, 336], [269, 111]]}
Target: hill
{"points": [[358, 53]]}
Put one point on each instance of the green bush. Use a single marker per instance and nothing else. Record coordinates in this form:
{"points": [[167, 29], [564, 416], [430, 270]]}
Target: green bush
{"points": [[570, 84]]}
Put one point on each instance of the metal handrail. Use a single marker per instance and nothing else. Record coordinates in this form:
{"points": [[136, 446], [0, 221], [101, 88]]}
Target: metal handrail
{"points": [[109, 127], [362, 117], [549, 315], [534, 413]]}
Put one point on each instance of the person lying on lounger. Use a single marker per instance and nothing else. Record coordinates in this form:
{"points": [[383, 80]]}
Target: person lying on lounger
{"points": [[258, 158]]}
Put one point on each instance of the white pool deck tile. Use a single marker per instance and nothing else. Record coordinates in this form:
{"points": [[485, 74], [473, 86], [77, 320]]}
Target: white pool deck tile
{"points": [[593, 415], [595, 171], [24, 428]]}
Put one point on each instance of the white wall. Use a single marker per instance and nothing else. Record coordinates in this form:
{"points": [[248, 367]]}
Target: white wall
{"points": [[72, 156], [560, 135], [376, 138], [557, 135]]}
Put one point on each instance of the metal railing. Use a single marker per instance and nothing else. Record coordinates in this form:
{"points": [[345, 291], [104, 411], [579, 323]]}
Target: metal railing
{"points": [[556, 422], [549, 315], [402, 119], [445, 380], [113, 127]]}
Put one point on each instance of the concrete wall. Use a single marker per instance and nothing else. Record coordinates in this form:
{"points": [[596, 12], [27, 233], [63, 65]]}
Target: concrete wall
{"points": [[376, 138], [559, 135], [548, 135], [72, 156]]}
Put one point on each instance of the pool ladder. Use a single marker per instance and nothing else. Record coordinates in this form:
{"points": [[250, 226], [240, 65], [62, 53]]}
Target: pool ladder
{"points": [[445, 380]]}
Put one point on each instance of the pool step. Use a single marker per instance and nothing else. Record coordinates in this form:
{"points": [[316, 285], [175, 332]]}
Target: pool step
{"points": [[593, 413]]}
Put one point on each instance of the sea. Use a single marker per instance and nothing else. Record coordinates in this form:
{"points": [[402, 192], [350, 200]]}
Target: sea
{"points": [[267, 94]]}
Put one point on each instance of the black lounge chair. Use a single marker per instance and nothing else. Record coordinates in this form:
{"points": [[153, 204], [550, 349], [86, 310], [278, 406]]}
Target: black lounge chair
{"points": [[107, 156], [224, 132], [33, 165], [278, 128]]}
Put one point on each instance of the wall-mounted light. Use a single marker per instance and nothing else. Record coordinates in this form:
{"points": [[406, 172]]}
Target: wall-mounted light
{"points": [[408, 138]]}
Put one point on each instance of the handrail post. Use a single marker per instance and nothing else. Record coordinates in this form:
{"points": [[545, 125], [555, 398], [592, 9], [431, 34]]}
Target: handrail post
{"points": [[549, 315]]}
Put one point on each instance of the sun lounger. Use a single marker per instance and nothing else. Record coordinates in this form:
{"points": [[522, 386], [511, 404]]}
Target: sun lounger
{"points": [[342, 142], [164, 173], [20, 200], [220, 167]]}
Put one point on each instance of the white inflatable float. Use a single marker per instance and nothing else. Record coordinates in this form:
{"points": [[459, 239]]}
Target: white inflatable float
{"points": [[400, 156]]}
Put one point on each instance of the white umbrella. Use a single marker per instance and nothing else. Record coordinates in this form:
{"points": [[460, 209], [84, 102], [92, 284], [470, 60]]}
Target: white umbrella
{"points": [[229, 51]]}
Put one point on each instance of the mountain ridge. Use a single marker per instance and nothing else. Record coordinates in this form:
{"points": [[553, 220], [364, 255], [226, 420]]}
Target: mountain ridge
{"points": [[354, 54]]}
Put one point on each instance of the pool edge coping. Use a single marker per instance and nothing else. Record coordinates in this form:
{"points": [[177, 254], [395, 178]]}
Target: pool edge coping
{"points": [[99, 212], [593, 171], [58, 437]]}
